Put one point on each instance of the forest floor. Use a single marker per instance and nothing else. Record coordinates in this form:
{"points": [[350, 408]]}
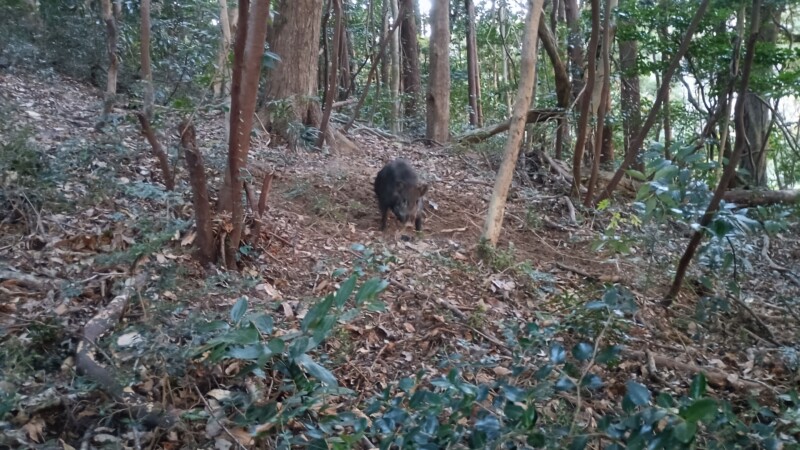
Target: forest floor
{"points": [[88, 221]]}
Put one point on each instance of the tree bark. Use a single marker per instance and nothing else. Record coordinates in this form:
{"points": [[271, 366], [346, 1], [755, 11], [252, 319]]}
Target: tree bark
{"points": [[562, 82], [761, 197], [586, 101], [651, 117], [757, 115], [295, 38], [630, 95], [332, 73], [206, 250], [494, 216], [575, 46], [438, 96], [730, 170], [147, 72], [394, 73], [410, 44], [473, 77], [254, 21], [112, 35], [602, 100]]}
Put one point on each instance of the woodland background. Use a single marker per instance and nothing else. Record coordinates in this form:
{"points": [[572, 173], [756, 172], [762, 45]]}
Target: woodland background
{"points": [[189, 244]]}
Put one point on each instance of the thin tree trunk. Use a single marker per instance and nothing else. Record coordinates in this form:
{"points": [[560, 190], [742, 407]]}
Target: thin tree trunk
{"points": [[730, 171], [586, 101], [222, 79], [575, 46], [438, 96], [206, 251], [562, 82], [602, 100], [494, 216], [333, 73], [473, 78], [629, 92], [503, 19], [147, 73], [112, 34], [394, 74], [651, 117]]}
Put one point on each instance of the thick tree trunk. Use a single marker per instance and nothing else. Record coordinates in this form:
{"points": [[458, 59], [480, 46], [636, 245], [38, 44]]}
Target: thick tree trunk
{"points": [[494, 216], [438, 96], [473, 77], [295, 38], [757, 115], [575, 46], [410, 44], [246, 72]]}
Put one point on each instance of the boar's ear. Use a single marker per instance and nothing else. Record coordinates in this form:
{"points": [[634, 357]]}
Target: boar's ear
{"points": [[423, 189]]}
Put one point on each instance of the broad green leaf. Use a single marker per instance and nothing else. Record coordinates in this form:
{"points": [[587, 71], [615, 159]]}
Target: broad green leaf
{"points": [[557, 353], [344, 291], [370, 289], [638, 394], [701, 409], [264, 323], [582, 351], [239, 309], [241, 336], [636, 175], [698, 388], [316, 370], [685, 432], [317, 312]]}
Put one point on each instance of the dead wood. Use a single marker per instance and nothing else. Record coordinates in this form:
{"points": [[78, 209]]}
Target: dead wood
{"points": [[715, 377], [139, 408], [158, 151], [761, 197], [533, 116]]}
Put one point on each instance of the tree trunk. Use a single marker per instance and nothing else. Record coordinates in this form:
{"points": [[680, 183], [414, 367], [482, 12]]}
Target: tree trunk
{"points": [[394, 74], [494, 216], [206, 251], [630, 95], [247, 68], [345, 62], [222, 80], [333, 72], [147, 73], [562, 82], [112, 35], [473, 77], [575, 46], [410, 44], [661, 95], [438, 96], [730, 171], [757, 115], [586, 101], [601, 81], [503, 19], [385, 61], [295, 38]]}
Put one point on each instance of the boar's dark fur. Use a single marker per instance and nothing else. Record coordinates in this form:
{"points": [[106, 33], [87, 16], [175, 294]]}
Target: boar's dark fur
{"points": [[398, 189]]}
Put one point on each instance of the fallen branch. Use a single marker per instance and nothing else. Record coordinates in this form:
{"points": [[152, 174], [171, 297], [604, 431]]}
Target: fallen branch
{"points": [[715, 377], [761, 197], [481, 134], [140, 409]]}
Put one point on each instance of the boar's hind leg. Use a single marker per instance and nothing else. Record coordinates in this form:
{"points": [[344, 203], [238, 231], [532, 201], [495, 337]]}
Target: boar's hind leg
{"points": [[384, 217], [418, 223]]}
